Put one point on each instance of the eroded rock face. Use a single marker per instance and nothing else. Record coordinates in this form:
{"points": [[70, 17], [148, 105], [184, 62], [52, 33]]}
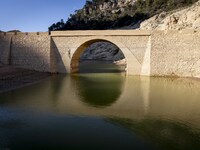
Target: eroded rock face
{"points": [[188, 18], [112, 6], [103, 51]]}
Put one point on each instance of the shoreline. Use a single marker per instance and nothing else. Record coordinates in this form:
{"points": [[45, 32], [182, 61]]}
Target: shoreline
{"points": [[13, 78]]}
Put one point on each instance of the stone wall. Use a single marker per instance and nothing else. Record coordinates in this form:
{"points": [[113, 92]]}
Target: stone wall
{"points": [[175, 53], [157, 53], [5, 42], [61, 54], [26, 50]]}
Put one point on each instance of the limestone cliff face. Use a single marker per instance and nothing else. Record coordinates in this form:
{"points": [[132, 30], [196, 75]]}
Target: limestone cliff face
{"points": [[188, 18], [108, 8]]}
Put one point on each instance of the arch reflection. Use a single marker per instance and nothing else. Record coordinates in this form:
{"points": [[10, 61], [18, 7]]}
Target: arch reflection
{"points": [[99, 90]]}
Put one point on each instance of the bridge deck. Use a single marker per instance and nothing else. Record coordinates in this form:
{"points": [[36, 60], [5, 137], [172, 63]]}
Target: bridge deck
{"points": [[101, 33]]}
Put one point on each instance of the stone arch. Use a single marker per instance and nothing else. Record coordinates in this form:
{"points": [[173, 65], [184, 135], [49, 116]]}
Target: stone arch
{"points": [[133, 67]]}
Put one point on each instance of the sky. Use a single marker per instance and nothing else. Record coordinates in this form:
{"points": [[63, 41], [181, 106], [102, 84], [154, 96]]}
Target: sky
{"points": [[35, 15]]}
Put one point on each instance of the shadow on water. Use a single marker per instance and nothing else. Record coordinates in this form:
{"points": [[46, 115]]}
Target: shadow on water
{"points": [[163, 134]]}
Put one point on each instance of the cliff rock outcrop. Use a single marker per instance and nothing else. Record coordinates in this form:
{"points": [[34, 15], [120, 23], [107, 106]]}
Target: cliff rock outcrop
{"points": [[188, 18]]}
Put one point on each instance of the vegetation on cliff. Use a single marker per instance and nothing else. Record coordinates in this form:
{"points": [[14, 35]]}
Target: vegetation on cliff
{"points": [[14, 31], [11, 31], [107, 14]]}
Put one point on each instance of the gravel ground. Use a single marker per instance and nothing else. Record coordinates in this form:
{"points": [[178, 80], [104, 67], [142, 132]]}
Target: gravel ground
{"points": [[12, 78]]}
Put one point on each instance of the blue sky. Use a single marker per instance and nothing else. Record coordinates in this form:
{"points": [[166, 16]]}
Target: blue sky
{"points": [[35, 15]]}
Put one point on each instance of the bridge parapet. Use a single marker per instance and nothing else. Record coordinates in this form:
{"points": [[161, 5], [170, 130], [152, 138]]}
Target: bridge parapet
{"points": [[102, 33], [23, 33]]}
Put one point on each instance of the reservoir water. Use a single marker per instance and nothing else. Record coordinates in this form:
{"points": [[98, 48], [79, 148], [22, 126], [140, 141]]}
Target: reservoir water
{"points": [[102, 111]]}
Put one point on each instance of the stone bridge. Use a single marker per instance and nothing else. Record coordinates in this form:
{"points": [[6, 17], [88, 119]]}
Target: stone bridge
{"points": [[150, 53], [135, 46]]}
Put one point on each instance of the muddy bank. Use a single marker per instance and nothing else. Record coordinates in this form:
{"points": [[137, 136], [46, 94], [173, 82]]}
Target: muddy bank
{"points": [[12, 78]]}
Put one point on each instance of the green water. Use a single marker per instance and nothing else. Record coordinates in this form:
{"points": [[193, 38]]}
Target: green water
{"points": [[102, 111]]}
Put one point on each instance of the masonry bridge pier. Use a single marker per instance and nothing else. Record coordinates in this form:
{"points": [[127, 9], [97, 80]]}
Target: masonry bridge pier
{"points": [[149, 53]]}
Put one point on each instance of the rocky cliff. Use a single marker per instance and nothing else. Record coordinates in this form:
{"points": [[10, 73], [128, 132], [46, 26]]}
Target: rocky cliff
{"points": [[188, 18], [114, 14]]}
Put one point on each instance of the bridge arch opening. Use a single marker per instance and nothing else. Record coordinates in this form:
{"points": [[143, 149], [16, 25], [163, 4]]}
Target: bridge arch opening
{"points": [[96, 56]]}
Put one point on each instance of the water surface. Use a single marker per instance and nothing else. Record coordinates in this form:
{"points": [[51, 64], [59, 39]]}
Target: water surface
{"points": [[102, 111]]}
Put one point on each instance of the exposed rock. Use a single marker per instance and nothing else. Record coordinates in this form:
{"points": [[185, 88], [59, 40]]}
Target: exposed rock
{"points": [[188, 18], [103, 51], [114, 4]]}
